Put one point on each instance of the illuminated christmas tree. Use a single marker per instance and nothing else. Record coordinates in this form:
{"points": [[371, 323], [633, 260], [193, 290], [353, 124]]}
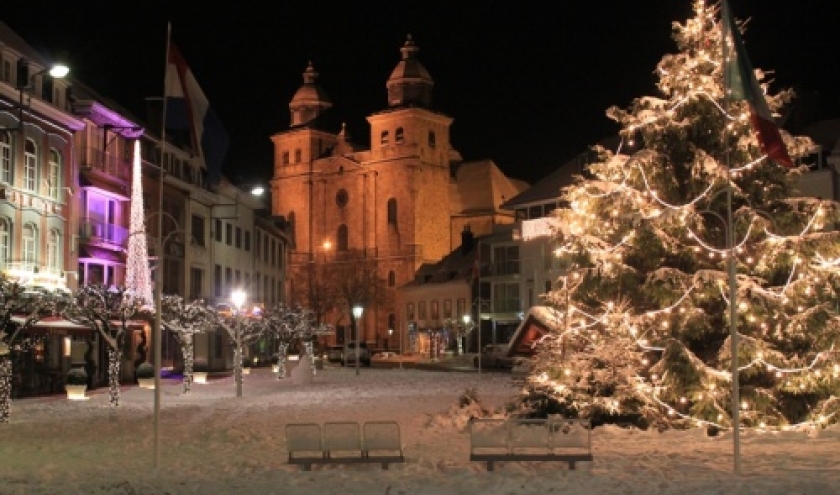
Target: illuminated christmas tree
{"points": [[647, 238], [137, 272]]}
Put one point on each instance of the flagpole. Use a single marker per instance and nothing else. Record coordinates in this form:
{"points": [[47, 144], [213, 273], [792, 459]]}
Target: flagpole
{"points": [[730, 247], [159, 278]]}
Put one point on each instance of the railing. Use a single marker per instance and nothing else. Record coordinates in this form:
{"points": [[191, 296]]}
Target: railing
{"points": [[94, 230], [106, 163]]}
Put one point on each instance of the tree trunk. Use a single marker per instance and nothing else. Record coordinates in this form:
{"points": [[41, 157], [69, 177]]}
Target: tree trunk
{"points": [[5, 388], [189, 357], [114, 358]]}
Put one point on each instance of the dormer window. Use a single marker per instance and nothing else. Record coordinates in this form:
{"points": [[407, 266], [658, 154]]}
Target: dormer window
{"points": [[432, 139], [399, 136], [285, 159], [383, 140]]}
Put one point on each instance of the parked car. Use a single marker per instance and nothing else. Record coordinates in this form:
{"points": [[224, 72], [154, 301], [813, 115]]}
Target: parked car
{"points": [[335, 353], [348, 357], [494, 356]]}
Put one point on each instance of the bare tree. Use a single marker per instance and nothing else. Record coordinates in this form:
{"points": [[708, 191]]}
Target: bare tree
{"points": [[355, 280], [109, 310], [186, 319], [29, 306]]}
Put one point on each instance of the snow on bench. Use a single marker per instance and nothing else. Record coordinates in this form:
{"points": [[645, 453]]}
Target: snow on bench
{"points": [[554, 439], [344, 442]]}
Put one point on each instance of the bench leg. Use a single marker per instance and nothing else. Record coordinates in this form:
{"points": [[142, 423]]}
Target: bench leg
{"points": [[385, 465], [571, 464], [489, 465], [307, 467]]}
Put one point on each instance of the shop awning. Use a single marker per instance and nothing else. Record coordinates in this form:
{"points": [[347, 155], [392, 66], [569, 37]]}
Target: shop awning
{"points": [[53, 325]]}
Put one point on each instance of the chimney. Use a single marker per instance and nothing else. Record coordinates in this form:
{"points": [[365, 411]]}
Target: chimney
{"points": [[467, 239]]}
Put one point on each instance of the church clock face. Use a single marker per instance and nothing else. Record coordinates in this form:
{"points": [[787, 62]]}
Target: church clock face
{"points": [[341, 198]]}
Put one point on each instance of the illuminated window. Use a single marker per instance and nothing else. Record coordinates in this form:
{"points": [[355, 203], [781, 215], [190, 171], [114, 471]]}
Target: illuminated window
{"points": [[399, 136], [30, 165], [5, 157], [54, 174], [30, 235]]}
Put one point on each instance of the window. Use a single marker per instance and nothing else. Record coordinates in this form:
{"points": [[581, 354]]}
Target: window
{"points": [[392, 211], [506, 298], [54, 172], [341, 239], [341, 198], [392, 278], [506, 260], [228, 277], [247, 241], [5, 157], [460, 307], [392, 321], [285, 158], [256, 243], [5, 241], [217, 281], [29, 245], [432, 139], [447, 308], [30, 165], [196, 283], [238, 237], [237, 278], [421, 311], [409, 311], [434, 310], [218, 229], [198, 230], [54, 252], [399, 136], [298, 158], [229, 234], [383, 138], [6, 71]]}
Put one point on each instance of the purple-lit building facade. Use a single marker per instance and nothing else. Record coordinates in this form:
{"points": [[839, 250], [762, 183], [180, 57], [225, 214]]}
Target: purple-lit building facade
{"points": [[65, 180]]}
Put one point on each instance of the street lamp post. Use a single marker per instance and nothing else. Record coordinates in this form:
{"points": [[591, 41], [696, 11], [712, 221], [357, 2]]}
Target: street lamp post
{"points": [[468, 323], [357, 314], [238, 298], [24, 84]]}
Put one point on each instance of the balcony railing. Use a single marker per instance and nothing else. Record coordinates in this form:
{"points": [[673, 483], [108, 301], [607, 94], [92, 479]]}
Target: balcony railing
{"points": [[97, 231], [106, 163]]}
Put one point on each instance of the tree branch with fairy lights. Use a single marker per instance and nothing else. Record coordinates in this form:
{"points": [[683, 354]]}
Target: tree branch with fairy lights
{"points": [[110, 311], [649, 233], [21, 307]]}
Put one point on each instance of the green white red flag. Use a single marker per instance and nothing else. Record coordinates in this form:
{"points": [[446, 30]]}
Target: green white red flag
{"points": [[741, 84]]}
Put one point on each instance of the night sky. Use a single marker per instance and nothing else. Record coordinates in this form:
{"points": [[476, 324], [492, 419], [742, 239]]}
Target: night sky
{"points": [[527, 82]]}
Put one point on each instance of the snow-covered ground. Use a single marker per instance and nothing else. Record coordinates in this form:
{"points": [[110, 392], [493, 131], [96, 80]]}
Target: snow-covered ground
{"points": [[211, 442]]}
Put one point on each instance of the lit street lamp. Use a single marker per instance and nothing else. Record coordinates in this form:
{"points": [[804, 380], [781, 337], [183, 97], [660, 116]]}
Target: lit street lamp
{"points": [[357, 314], [238, 299], [24, 84]]}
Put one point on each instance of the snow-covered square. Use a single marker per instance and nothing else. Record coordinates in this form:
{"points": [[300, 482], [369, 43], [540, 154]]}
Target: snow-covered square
{"points": [[212, 442]]}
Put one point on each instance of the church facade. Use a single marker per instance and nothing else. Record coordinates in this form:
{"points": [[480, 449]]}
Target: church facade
{"points": [[376, 214]]}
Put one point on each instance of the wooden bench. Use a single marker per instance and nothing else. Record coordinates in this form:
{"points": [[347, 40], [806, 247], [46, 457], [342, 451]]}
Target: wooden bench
{"points": [[554, 439], [344, 442]]}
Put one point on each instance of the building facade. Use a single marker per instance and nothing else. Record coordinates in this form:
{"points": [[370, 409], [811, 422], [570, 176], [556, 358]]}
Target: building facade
{"points": [[395, 206]]}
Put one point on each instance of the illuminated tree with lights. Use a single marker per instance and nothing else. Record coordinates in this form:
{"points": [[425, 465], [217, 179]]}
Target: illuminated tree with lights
{"points": [[243, 329], [110, 310], [137, 273], [30, 307], [284, 324], [646, 292], [185, 320]]}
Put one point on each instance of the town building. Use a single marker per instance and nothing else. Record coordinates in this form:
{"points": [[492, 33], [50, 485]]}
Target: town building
{"points": [[395, 206]]}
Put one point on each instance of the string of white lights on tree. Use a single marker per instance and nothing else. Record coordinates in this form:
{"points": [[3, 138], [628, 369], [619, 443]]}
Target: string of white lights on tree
{"points": [[647, 296]]}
